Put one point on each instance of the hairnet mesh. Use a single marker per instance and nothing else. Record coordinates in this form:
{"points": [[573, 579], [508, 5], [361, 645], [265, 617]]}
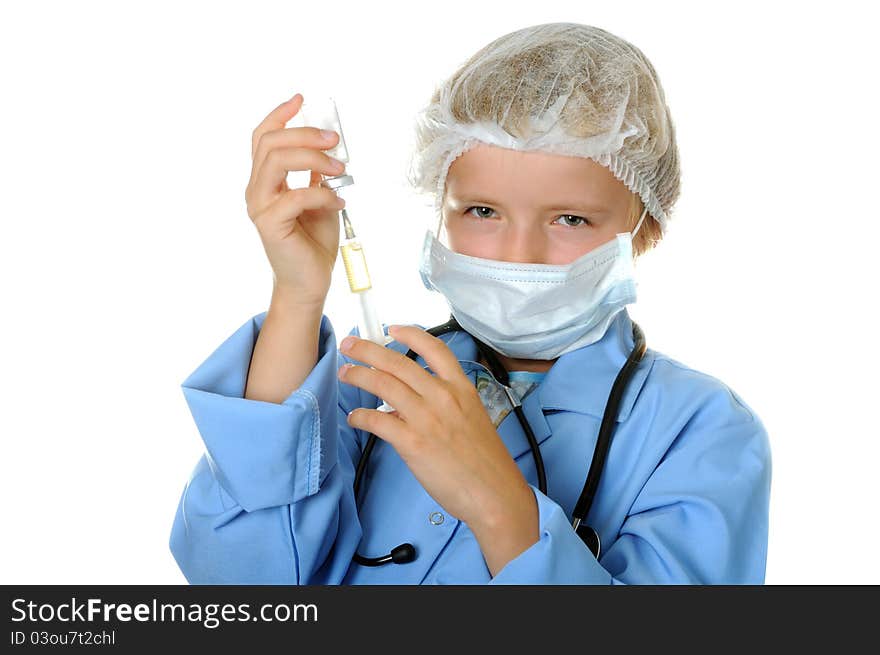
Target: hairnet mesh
{"points": [[560, 88]]}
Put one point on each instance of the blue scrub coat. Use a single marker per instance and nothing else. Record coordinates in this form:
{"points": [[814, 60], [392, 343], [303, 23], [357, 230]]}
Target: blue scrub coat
{"points": [[683, 498]]}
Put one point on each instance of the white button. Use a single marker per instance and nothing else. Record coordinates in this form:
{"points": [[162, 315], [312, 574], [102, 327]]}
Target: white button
{"points": [[436, 518]]}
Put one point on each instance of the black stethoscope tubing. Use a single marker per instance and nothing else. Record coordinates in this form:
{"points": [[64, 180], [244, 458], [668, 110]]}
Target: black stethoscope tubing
{"points": [[406, 552]]}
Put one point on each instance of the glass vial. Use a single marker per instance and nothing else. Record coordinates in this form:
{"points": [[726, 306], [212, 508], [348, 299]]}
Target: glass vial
{"points": [[321, 112]]}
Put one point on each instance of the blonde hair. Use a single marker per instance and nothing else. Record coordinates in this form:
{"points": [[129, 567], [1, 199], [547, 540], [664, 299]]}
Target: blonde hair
{"points": [[649, 234]]}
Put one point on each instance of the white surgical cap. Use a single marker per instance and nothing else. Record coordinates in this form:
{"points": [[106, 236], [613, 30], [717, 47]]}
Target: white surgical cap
{"points": [[560, 88]]}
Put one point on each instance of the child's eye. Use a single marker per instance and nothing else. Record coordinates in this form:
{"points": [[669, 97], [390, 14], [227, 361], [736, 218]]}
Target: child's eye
{"points": [[578, 221], [583, 221], [469, 210]]}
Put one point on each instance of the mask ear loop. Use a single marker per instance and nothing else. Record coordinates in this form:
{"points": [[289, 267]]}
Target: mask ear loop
{"points": [[644, 212], [636, 231]]}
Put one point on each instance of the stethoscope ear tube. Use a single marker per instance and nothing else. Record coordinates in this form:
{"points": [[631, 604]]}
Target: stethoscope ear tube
{"points": [[603, 443]]}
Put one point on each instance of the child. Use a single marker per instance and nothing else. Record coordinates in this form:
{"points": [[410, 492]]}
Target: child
{"points": [[551, 156]]}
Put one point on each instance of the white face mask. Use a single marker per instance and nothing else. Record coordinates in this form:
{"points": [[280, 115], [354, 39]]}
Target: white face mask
{"points": [[534, 311]]}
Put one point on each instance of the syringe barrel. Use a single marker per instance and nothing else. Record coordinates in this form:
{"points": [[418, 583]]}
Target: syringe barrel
{"points": [[370, 326], [355, 266], [359, 283]]}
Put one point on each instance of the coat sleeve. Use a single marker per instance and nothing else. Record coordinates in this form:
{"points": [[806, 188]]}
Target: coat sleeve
{"points": [[270, 501], [701, 517]]}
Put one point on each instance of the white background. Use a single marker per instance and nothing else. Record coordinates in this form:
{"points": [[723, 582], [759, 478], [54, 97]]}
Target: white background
{"points": [[127, 255]]}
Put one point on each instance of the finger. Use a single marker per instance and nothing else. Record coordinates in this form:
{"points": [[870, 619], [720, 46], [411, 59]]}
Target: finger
{"points": [[276, 119], [392, 390], [315, 178], [433, 350], [392, 362], [291, 137], [285, 210], [283, 160], [384, 425]]}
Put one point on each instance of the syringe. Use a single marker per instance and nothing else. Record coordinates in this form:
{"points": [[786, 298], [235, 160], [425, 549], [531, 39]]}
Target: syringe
{"points": [[359, 282], [369, 326]]}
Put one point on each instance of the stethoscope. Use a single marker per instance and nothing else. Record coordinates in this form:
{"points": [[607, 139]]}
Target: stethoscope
{"points": [[405, 553]]}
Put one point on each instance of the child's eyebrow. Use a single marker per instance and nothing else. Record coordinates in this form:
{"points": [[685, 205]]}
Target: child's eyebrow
{"points": [[595, 209]]}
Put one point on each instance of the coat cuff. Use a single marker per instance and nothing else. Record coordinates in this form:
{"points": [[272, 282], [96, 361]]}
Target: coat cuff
{"points": [[559, 557], [265, 454]]}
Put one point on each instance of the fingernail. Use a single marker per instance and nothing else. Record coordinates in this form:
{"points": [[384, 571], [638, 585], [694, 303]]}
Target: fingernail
{"points": [[346, 344], [327, 134], [335, 163]]}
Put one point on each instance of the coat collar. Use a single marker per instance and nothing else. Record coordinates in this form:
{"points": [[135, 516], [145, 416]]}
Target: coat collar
{"points": [[580, 380]]}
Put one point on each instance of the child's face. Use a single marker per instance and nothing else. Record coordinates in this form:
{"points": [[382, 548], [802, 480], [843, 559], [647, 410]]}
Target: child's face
{"points": [[527, 207]]}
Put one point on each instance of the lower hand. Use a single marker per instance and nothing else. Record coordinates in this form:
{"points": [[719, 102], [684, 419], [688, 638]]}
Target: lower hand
{"points": [[441, 430]]}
